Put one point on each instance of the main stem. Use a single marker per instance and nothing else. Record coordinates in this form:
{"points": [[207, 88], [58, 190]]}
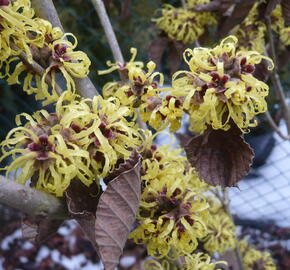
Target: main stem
{"points": [[184, 5], [226, 203], [31, 201]]}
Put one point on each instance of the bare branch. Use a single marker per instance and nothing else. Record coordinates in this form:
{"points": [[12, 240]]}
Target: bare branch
{"points": [[226, 204], [184, 5], [30, 201], [46, 10], [275, 127], [110, 34], [275, 77]]}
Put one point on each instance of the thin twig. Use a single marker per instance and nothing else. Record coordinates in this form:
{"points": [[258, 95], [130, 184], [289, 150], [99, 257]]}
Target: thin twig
{"points": [[226, 204], [113, 43], [110, 34], [275, 77], [31, 201], [46, 10], [275, 127], [184, 5]]}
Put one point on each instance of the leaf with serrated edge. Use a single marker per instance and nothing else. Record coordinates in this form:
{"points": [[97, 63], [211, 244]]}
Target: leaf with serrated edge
{"points": [[222, 158], [116, 213]]}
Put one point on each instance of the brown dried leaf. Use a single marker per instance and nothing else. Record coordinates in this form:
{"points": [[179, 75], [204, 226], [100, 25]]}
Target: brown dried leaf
{"points": [[240, 12], [286, 11], [39, 230], [82, 200], [176, 49], [87, 224], [222, 158], [116, 213], [157, 48]]}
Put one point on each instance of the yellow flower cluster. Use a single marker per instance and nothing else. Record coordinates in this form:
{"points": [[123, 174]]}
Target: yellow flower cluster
{"points": [[278, 25], [138, 86], [139, 89], [255, 259], [221, 230], [251, 32], [184, 25], [220, 87], [21, 33], [17, 27], [83, 140], [173, 212], [196, 261]]}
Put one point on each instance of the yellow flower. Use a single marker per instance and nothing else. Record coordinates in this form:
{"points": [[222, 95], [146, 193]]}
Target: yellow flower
{"points": [[277, 19], [221, 230], [162, 112], [83, 140], [123, 66], [251, 32], [41, 151], [20, 31], [138, 88], [201, 261], [251, 37], [173, 212], [194, 3], [66, 61], [61, 58], [220, 87], [101, 127], [255, 259], [285, 36], [17, 27], [278, 25], [183, 25], [196, 261]]}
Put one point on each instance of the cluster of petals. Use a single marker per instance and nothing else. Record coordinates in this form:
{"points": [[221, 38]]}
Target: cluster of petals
{"points": [[182, 24], [173, 212], [252, 31], [196, 261], [84, 139], [254, 258], [221, 230], [220, 87], [23, 33]]}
